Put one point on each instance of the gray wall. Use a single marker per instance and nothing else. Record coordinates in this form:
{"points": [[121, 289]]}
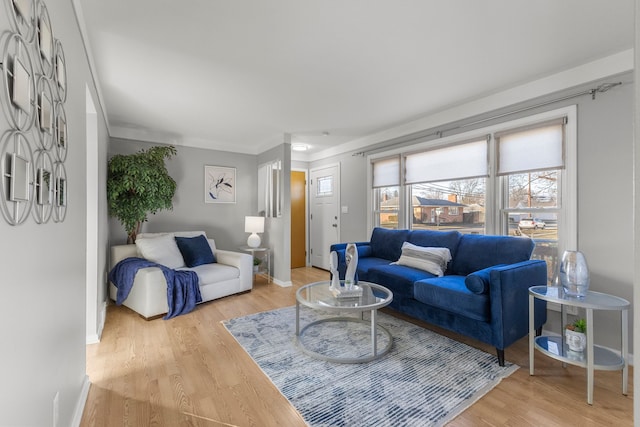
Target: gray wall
{"points": [[42, 322], [605, 192], [223, 222], [278, 230]]}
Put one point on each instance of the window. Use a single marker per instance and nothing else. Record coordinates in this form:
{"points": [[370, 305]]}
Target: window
{"points": [[516, 178], [325, 186], [386, 193], [443, 180], [530, 164]]}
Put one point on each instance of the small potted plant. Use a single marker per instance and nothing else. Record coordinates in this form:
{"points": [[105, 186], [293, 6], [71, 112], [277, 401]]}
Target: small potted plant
{"points": [[256, 264], [575, 335]]}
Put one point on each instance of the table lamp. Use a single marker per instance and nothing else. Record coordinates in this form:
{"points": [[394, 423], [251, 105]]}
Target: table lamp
{"points": [[253, 225]]}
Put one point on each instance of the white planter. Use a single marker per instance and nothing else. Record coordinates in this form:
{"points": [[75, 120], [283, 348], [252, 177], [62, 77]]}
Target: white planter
{"points": [[577, 341]]}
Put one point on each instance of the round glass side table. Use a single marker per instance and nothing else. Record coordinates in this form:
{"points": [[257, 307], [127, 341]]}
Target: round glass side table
{"points": [[594, 357]]}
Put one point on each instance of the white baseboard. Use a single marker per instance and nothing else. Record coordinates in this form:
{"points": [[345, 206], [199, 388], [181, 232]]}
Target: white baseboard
{"points": [[283, 284], [95, 338], [81, 402]]}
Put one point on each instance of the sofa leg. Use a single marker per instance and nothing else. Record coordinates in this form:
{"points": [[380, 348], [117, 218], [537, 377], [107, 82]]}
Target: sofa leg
{"points": [[539, 331], [500, 357]]}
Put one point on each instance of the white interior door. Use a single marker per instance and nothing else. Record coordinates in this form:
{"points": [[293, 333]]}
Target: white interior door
{"points": [[324, 219]]}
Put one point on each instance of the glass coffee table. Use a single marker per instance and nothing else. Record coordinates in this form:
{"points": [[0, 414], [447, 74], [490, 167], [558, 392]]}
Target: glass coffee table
{"points": [[318, 296]]}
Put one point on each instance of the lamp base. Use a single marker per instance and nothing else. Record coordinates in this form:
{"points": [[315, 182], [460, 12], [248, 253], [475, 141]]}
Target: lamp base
{"points": [[253, 240]]}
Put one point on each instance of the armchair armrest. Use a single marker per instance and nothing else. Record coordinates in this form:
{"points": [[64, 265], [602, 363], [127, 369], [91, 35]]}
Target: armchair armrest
{"points": [[242, 261], [120, 252], [509, 299]]}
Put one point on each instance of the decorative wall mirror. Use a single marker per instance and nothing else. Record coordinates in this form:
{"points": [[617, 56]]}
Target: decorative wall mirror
{"points": [[270, 189]]}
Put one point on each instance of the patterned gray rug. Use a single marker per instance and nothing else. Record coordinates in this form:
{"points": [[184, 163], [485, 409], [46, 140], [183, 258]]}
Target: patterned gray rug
{"points": [[425, 380]]}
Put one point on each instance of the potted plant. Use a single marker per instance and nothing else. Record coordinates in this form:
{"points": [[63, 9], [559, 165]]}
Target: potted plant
{"points": [[138, 185], [256, 264], [575, 335]]}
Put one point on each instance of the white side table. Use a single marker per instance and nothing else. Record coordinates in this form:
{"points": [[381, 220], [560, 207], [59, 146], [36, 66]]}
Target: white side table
{"points": [[263, 254], [594, 356]]}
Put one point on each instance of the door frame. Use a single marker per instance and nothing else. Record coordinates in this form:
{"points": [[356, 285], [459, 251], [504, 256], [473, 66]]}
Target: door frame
{"points": [[307, 191]]}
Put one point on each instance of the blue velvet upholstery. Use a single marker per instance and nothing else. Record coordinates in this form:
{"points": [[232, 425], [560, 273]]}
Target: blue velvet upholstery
{"points": [[451, 292], [437, 239], [387, 244], [398, 278], [477, 251], [483, 294], [478, 281]]}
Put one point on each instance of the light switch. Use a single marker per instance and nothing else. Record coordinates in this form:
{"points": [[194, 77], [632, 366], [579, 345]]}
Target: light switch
{"points": [[345, 209]]}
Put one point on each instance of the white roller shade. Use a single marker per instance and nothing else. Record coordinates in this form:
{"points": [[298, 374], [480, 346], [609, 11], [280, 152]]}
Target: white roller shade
{"points": [[531, 149], [386, 172], [461, 161]]}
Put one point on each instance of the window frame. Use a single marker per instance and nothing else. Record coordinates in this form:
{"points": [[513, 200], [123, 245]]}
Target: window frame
{"points": [[495, 221]]}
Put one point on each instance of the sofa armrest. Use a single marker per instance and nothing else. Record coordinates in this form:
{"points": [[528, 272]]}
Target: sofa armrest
{"points": [[509, 299], [120, 252], [242, 261]]}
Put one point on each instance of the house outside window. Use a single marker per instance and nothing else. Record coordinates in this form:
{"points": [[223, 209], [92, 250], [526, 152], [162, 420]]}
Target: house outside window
{"points": [[517, 178]]}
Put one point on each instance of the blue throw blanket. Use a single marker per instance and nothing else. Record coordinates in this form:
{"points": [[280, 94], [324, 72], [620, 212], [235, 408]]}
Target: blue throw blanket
{"points": [[183, 290]]}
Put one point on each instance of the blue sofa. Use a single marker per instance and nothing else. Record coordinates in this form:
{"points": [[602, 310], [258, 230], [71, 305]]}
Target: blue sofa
{"points": [[483, 293]]}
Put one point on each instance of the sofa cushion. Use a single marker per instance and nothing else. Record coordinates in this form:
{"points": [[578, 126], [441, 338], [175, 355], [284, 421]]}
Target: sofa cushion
{"points": [[387, 244], [451, 294], [441, 239], [397, 278], [478, 281], [195, 250], [161, 249], [433, 260], [213, 273], [476, 252], [366, 264]]}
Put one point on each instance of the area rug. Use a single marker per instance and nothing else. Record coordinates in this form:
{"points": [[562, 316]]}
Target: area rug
{"points": [[426, 379]]}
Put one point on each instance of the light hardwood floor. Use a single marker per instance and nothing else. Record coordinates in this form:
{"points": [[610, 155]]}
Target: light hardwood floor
{"points": [[189, 371]]}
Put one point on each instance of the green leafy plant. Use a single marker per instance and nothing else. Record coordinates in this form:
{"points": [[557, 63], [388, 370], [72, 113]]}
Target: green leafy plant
{"points": [[256, 261], [138, 185], [580, 325]]}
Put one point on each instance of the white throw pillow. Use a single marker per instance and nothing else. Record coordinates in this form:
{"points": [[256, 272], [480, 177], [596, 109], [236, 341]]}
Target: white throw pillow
{"points": [[162, 250], [433, 260]]}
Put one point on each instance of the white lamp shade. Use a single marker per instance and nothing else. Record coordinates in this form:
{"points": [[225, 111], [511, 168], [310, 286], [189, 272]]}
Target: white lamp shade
{"points": [[254, 224]]}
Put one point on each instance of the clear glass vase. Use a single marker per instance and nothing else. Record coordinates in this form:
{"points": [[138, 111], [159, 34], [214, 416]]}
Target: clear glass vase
{"points": [[574, 273]]}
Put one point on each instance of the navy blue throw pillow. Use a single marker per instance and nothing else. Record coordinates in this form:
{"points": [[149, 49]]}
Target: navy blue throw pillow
{"points": [[195, 250]]}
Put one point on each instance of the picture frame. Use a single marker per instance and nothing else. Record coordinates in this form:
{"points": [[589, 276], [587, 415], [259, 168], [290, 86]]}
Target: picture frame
{"points": [[219, 184]]}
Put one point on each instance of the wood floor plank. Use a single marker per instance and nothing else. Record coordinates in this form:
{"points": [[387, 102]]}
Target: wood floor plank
{"points": [[189, 371]]}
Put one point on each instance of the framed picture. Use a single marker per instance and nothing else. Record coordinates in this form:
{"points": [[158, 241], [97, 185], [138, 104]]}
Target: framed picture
{"points": [[219, 184]]}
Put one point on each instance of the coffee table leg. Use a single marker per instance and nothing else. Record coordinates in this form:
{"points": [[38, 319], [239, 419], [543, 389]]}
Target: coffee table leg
{"points": [[374, 333], [297, 318]]}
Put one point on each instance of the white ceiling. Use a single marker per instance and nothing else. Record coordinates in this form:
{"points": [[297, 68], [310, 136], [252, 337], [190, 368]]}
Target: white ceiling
{"points": [[237, 75]]}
